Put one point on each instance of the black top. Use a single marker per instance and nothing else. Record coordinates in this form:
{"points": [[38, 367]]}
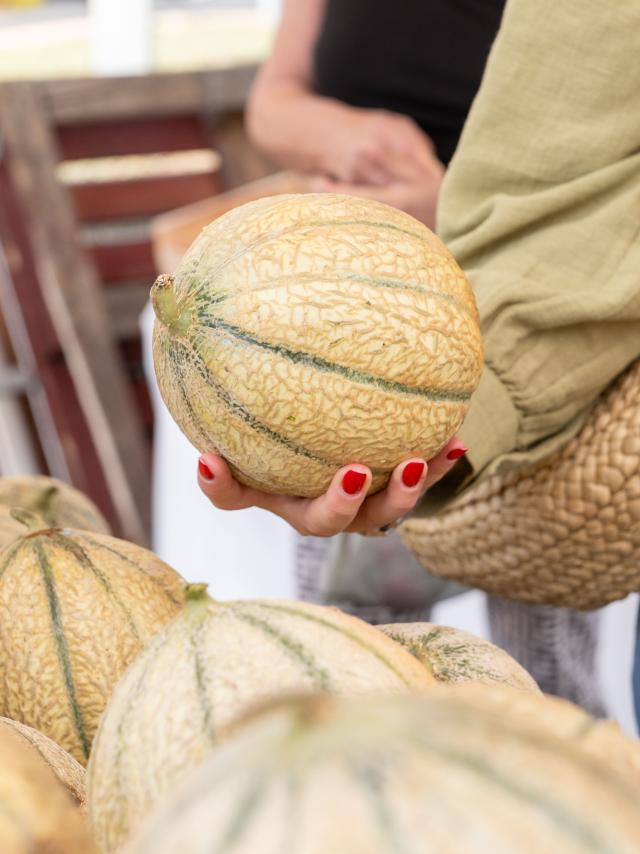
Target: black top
{"points": [[423, 58]]}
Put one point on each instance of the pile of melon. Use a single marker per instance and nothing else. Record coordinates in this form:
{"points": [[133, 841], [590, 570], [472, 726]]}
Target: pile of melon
{"points": [[269, 726]]}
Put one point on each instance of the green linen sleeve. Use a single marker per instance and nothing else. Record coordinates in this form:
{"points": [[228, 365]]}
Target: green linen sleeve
{"points": [[541, 208]]}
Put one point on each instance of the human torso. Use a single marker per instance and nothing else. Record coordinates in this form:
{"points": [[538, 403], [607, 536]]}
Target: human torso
{"points": [[423, 58]]}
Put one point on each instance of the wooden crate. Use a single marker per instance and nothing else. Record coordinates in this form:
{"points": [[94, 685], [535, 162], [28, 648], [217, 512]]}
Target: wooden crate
{"points": [[76, 258]]}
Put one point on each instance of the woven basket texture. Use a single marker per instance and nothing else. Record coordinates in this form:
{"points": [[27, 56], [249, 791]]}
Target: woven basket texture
{"points": [[563, 532]]}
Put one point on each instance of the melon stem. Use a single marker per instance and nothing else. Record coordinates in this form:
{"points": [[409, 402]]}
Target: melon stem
{"points": [[195, 592], [42, 505], [166, 308], [30, 520]]}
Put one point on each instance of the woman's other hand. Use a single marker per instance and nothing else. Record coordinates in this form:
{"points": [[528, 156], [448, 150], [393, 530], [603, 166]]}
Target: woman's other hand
{"points": [[345, 505], [309, 133], [377, 147], [417, 195]]}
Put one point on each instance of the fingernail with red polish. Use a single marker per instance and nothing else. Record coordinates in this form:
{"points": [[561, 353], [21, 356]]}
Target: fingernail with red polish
{"points": [[456, 453], [412, 473], [353, 481], [204, 470]]}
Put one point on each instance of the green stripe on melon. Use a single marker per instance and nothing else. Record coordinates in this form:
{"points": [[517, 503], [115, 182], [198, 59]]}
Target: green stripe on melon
{"points": [[304, 332], [75, 609], [455, 656], [210, 665], [443, 773], [55, 502]]}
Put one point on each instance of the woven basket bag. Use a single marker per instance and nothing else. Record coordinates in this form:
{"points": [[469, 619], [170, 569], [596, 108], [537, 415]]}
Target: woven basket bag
{"points": [[563, 532]]}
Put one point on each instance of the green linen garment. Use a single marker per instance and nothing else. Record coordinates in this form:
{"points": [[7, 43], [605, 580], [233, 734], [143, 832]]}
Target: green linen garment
{"points": [[541, 208]]}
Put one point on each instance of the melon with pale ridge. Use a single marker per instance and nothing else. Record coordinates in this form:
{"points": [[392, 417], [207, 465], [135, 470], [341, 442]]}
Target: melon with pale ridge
{"points": [[457, 770], [211, 664], [456, 657], [75, 608], [304, 332], [57, 503]]}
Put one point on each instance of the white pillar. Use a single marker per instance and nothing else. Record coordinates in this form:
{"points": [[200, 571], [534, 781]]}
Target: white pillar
{"points": [[269, 10], [121, 36]]}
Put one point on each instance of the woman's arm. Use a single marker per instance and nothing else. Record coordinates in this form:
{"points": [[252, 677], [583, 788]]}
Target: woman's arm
{"points": [[541, 208], [315, 134], [283, 116]]}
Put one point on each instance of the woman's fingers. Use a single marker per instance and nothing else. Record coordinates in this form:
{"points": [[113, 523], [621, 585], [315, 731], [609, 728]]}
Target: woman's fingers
{"points": [[220, 486], [330, 513], [344, 506], [338, 507], [324, 516], [444, 461], [405, 487]]}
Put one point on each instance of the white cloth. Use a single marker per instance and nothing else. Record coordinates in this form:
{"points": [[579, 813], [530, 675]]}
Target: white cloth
{"points": [[245, 554]]}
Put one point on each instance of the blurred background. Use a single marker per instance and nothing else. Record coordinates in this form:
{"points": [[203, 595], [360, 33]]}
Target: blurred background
{"points": [[79, 37], [120, 122]]}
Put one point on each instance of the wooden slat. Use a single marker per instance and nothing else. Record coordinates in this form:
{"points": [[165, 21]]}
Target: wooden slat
{"points": [[142, 136], [132, 352], [140, 197], [18, 264], [241, 163], [13, 380], [75, 302], [120, 262], [62, 429], [84, 100]]}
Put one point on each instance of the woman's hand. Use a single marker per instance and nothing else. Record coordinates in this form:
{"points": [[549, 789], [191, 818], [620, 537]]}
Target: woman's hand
{"points": [[345, 505], [375, 147], [417, 196]]}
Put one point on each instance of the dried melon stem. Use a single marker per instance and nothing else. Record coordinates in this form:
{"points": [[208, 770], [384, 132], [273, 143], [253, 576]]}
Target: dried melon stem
{"points": [[43, 503], [196, 592], [33, 521], [166, 308], [197, 604]]}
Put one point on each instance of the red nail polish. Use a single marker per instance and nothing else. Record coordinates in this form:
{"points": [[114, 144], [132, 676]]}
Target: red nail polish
{"points": [[205, 471], [412, 473], [456, 453], [353, 481]]}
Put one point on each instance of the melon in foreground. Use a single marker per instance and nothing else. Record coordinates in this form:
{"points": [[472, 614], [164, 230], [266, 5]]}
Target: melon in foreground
{"points": [[454, 656], [304, 332], [68, 771], [55, 502], [441, 773], [75, 608], [211, 664], [37, 813]]}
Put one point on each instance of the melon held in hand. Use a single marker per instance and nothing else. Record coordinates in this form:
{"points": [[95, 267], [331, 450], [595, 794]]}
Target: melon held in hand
{"points": [[304, 332]]}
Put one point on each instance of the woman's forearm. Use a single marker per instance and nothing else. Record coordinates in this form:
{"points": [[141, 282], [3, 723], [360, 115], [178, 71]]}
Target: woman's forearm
{"points": [[540, 208], [294, 126]]}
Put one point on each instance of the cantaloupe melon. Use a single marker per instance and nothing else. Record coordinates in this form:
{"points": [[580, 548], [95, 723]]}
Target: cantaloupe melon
{"points": [[208, 666], [601, 738], [454, 656], [57, 503], [443, 773], [68, 771], [75, 608], [304, 332], [37, 814]]}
